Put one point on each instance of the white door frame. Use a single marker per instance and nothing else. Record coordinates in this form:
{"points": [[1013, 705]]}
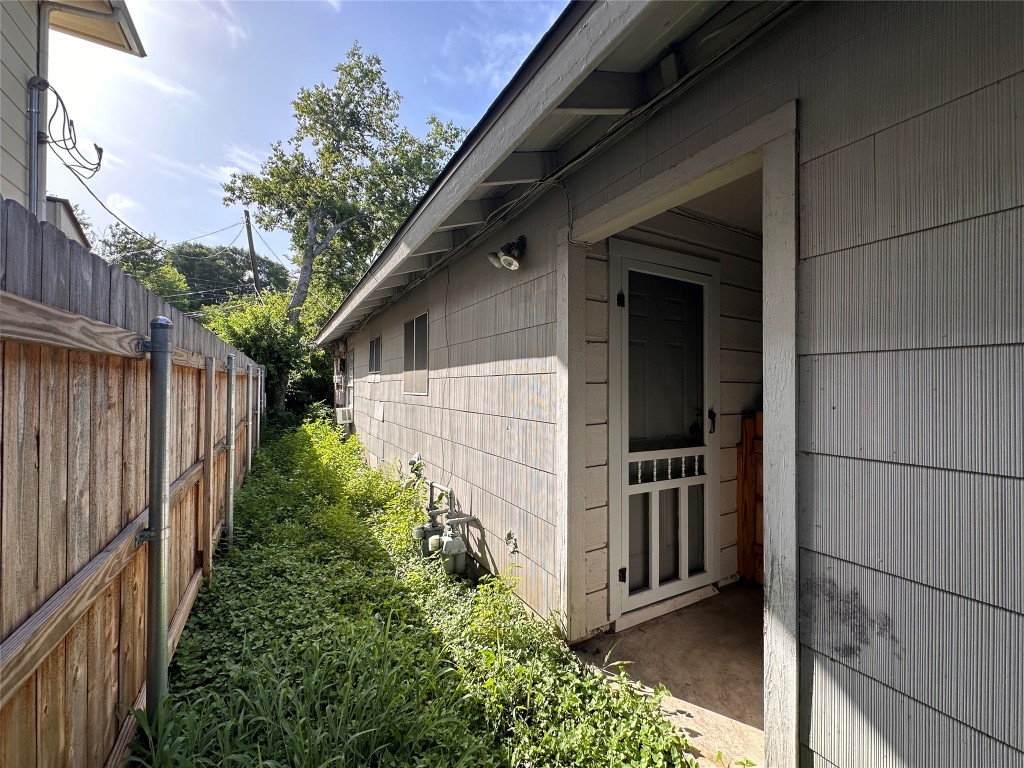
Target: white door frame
{"points": [[623, 258], [768, 144]]}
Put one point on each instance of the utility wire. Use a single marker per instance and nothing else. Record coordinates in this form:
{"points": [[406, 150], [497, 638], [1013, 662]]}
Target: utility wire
{"points": [[224, 289], [132, 229], [272, 253], [68, 140]]}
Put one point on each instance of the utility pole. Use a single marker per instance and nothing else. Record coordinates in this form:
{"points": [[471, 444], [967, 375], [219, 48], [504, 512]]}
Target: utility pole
{"points": [[252, 254]]}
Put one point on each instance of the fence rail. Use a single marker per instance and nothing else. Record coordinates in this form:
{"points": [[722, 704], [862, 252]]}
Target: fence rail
{"points": [[74, 489]]}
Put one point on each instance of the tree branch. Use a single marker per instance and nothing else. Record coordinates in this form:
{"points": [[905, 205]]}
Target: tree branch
{"points": [[332, 232]]}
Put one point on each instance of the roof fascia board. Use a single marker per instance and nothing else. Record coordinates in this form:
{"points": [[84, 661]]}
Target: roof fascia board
{"points": [[118, 15], [594, 37]]}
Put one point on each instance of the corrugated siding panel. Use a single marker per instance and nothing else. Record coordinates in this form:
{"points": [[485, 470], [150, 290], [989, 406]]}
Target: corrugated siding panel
{"points": [[957, 285], [919, 526], [487, 425], [18, 41], [946, 408], [853, 720], [837, 200], [884, 627], [960, 160], [912, 58]]}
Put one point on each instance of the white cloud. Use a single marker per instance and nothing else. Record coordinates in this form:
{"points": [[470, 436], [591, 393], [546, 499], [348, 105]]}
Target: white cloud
{"points": [[232, 24], [246, 159], [121, 204], [164, 85], [493, 41], [335, 4], [219, 174]]}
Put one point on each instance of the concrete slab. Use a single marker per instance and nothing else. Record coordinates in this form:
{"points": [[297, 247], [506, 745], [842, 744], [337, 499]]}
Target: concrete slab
{"points": [[710, 657]]}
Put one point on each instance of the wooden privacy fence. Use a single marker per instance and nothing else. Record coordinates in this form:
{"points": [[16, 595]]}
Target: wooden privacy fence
{"points": [[74, 488]]}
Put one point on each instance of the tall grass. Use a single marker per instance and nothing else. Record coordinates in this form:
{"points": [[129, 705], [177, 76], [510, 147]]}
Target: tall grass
{"points": [[325, 640]]}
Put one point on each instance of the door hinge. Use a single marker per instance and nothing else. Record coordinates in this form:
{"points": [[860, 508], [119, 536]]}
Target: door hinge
{"points": [[622, 575], [621, 299]]}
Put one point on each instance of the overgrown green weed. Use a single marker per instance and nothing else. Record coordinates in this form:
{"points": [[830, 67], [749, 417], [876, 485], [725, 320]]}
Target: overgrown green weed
{"points": [[326, 640]]}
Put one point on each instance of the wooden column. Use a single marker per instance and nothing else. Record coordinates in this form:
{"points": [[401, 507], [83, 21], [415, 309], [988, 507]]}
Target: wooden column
{"points": [[209, 431]]}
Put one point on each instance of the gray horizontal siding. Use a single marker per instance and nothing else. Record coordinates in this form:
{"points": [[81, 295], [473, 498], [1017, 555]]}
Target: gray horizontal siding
{"points": [[956, 532], [956, 285], [487, 426], [910, 324], [954, 408], [851, 719], [885, 628]]}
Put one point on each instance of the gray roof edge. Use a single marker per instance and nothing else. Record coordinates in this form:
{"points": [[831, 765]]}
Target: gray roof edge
{"points": [[552, 39]]}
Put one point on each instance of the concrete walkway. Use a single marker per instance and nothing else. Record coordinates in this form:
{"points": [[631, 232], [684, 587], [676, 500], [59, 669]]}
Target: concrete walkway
{"points": [[709, 655]]}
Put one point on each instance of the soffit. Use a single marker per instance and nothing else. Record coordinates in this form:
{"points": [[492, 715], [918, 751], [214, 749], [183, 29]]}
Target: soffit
{"points": [[119, 34]]}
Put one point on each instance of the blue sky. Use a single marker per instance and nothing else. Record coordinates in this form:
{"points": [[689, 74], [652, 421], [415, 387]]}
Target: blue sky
{"points": [[216, 88]]}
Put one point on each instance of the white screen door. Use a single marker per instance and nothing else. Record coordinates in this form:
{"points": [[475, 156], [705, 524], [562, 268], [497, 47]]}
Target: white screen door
{"points": [[668, 457]]}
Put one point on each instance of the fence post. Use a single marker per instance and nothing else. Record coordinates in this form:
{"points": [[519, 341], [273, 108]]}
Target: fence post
{"points": [[159, 530], [206, 529], [248, 417], [229, 442], [259, 407]]}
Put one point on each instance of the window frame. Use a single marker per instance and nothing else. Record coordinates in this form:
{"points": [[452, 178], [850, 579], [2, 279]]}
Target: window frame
{"points": [[374, 359], [416, 371]]}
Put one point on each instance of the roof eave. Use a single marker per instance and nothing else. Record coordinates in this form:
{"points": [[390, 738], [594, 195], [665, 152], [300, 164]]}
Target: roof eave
{"points": [[119, 16], [577, 42]]}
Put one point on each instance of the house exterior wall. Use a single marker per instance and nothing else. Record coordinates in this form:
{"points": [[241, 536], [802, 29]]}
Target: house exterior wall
{"points": [[739, 259], [18, 36], [910, 331], [487, 427]]}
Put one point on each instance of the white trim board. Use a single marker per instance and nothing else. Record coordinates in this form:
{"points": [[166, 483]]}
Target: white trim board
{"points": [[724, 161], [769, 144]]}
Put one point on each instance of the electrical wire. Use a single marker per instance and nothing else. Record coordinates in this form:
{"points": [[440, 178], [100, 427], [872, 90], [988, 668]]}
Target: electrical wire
{"points": [[204, 310], [242, 286], [132, 229], [68, 140]]}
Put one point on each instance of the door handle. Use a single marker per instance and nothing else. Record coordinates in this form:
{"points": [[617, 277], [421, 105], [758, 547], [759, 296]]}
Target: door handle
{"points": [[712, 415]]}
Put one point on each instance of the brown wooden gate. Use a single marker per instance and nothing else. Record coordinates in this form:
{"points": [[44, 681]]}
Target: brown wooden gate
{"points": [[749, 501]]}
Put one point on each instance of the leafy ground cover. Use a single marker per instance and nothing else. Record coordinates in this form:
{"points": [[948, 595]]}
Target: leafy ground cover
{"points": [[325, 640]]}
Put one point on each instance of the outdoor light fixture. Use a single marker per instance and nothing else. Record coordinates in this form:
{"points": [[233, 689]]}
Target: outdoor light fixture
{"points": [[509, 255]]}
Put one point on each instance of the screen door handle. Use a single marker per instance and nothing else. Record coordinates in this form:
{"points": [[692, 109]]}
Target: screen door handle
{"points": [[712, 415]]}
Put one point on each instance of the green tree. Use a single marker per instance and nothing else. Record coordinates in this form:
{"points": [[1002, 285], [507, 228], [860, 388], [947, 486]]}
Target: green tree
{"points": [[85, 222], [215, 272], [345, 180], [259, 327], [145, 259]]}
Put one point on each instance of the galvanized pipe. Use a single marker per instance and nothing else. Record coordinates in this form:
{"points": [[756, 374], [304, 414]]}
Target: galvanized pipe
{"points": [[36, 86], [248, 417], [229, 443], [159, 531]]}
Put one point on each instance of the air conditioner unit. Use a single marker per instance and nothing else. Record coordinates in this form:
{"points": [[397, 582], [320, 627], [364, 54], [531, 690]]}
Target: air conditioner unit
{"points": [[343, 415]]}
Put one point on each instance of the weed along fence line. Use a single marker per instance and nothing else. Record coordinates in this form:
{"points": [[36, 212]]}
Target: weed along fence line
{"points": [[75, 498]]}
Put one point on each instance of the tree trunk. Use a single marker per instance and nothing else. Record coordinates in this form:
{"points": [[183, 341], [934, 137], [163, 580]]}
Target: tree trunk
{"points": [[301, 285], [277, 395]]}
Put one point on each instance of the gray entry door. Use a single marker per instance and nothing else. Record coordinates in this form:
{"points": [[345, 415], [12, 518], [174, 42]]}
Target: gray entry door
{"points": [[668, 432]]}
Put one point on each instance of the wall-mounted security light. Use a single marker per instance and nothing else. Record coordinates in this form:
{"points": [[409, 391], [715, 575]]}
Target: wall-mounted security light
{"points": [[509, 255]]}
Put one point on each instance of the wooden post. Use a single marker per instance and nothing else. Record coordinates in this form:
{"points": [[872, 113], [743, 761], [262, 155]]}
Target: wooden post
{"points": [[252, 254], [206, 528]]}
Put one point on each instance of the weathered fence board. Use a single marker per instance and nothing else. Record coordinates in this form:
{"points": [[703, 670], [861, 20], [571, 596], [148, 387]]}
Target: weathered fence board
{"points": [[74, 420]]}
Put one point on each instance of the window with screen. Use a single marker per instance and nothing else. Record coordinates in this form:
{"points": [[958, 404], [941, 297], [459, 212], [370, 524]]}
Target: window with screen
{"points": [[415, 382], [375, 355]]}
